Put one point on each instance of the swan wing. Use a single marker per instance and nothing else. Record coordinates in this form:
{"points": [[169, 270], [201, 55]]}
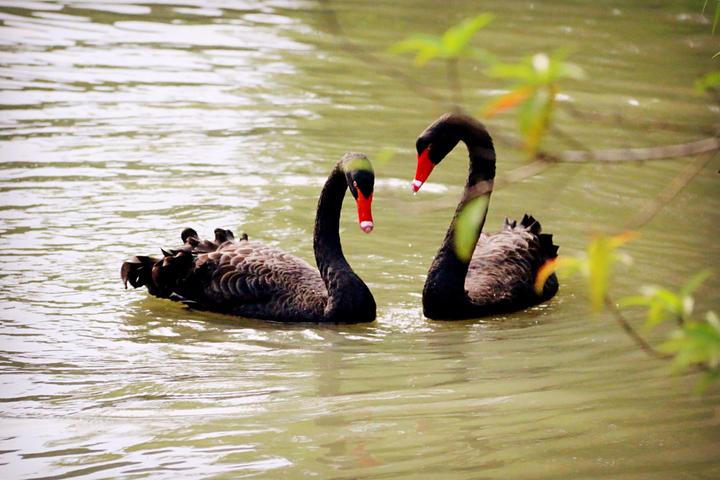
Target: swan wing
{"points": [[252, 279], [504, 264]]}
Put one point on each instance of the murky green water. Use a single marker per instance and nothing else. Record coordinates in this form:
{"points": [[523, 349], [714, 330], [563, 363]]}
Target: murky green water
{"points": [[122, 123]]}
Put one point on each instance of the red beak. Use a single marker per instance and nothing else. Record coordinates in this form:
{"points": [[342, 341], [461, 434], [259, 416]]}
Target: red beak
{"points": [[365, 212], [424, 168]]}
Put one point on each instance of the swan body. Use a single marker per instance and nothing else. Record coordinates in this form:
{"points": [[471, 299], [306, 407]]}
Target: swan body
{"points": [[251, 279], [500, 275]]}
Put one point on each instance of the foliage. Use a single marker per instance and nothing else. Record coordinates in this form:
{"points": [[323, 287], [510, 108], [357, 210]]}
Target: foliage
{"points": [[697, 343], [664, 304], [468, 224], [716, 17], [534, 93], [708, 81], [451, 45], [693, 344], [596, 265]]}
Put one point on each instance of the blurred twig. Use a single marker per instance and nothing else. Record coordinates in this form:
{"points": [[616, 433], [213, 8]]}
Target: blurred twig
{"points": [[453, 76], [625, 325], [376, 62], [621, 120], [690, 149], [670, 192]]}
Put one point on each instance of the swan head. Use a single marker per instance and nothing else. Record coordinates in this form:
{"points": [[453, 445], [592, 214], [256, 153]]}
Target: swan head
{"points": [[361, 183], [438, 140]]}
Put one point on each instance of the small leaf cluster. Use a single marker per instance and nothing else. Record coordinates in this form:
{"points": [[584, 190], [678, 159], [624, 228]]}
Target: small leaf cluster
{"points": [[534, 92], [536, 78], [595, 264], [451, 45], [693, 343]]}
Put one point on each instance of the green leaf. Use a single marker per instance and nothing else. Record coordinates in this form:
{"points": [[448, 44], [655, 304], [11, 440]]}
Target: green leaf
{"points": [[695, 282], [571, 266], [599, 263], [570, 70], [468, 224], [426, 47], [453, 44], [696, 343], [712, 319], [456, 39], [707, 380], [540, 69], [596, 266], [708, 81], [518, 71], [716, 20], [534, 117], [635, 301]]}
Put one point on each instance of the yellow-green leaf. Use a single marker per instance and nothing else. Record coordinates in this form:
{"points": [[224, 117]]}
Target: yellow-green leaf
{"points": [[468, 224], [456, 38]]}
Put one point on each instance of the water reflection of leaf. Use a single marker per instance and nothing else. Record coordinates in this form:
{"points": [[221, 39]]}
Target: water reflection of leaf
{"points": [[468, 224]]}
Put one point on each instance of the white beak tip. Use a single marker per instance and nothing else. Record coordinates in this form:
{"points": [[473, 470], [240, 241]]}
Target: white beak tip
{"points": [[367, 226], [415, 185]]}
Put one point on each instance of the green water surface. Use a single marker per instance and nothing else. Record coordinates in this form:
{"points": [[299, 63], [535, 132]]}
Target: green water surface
{"points": [[124, 122]]}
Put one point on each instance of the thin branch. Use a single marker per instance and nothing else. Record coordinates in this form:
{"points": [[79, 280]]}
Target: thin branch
{"points": [[625, 325], [621, 120], [619, 155], [670, 192], [521, 173], [644, 345], [453, 77], [387, 69], [705, 145], [567, 138]]}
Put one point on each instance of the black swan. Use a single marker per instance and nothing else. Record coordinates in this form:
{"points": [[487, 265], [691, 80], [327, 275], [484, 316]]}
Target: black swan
{"points": [[250, 279], [500, 276]]}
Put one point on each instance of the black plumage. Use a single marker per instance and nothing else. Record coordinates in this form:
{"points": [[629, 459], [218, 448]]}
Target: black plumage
{"points": [[251, 279], [500, 276]]}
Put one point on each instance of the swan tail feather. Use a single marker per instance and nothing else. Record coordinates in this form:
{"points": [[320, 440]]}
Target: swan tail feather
{"points": [[530, 224], [547, 245], [137, 271], [222, 235]]}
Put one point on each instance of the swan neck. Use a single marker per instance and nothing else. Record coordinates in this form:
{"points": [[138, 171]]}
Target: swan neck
{"points": [[346, 291], [481, 153], [446, 278]]}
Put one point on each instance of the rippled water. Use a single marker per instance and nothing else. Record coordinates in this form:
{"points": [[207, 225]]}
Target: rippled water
{"points": [[123, 123]]}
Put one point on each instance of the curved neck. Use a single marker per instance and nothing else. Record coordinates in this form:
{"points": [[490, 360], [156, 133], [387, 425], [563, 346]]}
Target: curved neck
{"points": [[446, 277], [347, 293]]}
